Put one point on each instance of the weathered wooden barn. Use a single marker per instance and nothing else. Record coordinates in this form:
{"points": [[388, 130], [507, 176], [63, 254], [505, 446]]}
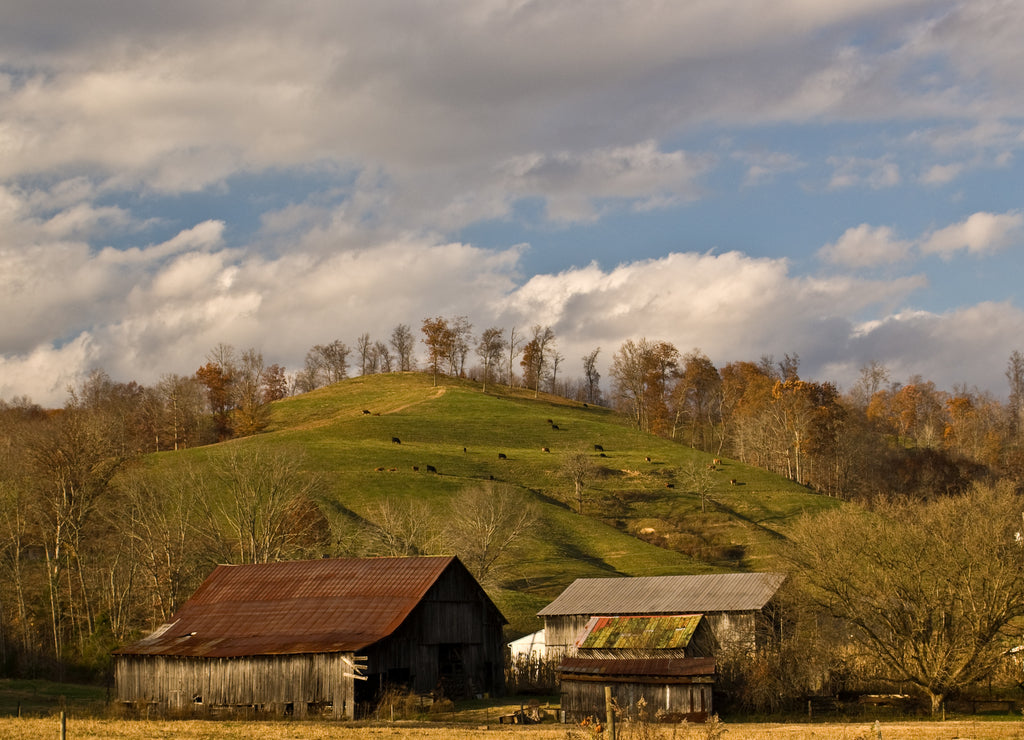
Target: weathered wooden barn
{"points": [[736, 606], [657, 665], [294, 637]]}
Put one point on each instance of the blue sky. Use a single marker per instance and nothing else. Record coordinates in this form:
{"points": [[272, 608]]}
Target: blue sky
{"points": [[839, 180]]}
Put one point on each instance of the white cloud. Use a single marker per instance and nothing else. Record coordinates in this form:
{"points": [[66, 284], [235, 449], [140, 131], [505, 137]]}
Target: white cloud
{"points": [[763, 167], [864, 246], [941, 174], [572, 183], [857, 171], [980, 233]]}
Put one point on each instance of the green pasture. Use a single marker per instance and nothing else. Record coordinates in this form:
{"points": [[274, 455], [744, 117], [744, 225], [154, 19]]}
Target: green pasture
{"points": [[639, 517]]}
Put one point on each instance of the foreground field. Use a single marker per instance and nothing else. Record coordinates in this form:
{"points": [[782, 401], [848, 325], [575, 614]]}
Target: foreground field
{"points": [[106, 729]]}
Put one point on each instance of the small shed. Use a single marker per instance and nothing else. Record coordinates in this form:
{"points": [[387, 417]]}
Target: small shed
{"points": [[736, 606], [672, 689], [656, 664], [317, 636]]}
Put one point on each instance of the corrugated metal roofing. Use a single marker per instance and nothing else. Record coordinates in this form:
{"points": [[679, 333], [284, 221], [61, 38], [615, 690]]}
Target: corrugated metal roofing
{"points": [[329, 605], [650, 633], [637, 667], [723, 592]]}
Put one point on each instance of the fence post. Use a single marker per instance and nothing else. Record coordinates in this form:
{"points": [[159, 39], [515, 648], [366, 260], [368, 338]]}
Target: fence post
{"points": [[63, 725], [609, 713]]}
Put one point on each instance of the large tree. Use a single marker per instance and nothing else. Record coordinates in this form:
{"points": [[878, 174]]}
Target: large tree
{"points": [[643, 372], [932, 593], [439, 338]]}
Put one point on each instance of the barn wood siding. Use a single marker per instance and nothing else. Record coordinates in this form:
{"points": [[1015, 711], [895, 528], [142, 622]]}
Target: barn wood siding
{"points": [[454, 615], [267, 683], [674, 700], [561, 633]]}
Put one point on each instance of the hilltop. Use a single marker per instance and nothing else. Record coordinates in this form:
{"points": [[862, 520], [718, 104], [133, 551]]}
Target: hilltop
{"points": [[640, 517]]}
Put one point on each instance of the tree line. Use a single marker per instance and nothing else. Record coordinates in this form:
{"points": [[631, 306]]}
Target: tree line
{"points": [[92, 549], [881, 438]]}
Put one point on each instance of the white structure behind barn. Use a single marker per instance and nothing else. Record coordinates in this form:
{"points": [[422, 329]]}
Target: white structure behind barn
{"points": [[529, 646]]}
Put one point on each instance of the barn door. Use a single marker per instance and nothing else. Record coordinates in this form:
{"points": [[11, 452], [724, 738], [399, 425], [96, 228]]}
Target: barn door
{"points": [[451, 670]]}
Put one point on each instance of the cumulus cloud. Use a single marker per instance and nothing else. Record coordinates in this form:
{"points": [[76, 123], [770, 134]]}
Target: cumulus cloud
{"points": [[864, 246], [572, 183], [980, 233], [401, 131]]}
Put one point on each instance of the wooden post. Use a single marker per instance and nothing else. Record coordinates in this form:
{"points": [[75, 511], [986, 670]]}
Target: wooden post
{"points": [[609, 713], [63, 725]]}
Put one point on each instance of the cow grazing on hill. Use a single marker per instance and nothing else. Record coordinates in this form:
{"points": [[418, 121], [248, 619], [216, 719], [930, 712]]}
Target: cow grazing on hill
{"points": [[502, 456]]}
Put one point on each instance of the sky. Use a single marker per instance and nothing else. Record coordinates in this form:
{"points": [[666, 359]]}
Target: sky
{"points": [[837, 180]]}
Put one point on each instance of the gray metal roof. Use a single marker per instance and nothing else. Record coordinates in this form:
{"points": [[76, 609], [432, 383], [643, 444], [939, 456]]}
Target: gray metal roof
{"points": [[725, 592]]}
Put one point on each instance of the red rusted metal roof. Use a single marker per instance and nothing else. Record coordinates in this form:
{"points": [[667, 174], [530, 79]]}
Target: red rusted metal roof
{"points": [[663, 667], [306, 606]]}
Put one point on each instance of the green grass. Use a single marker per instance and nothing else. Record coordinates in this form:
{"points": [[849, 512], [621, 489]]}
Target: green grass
{"points": [[37, 697], [460, 431]]}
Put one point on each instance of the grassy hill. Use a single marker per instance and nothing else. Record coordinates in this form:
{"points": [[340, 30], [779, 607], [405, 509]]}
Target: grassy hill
{"points": [[639, 518]]}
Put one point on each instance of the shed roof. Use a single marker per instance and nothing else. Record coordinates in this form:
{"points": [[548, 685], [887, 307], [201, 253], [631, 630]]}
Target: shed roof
{"points": [[651, 633], [664, 667], [307, 606], [721, 592]]}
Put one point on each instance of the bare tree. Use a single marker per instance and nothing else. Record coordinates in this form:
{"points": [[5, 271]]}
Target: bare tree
{"points": [[160, 511], [556, 360], [1015, 376], [537, 356], [403, 528], [485, 524], [265, 510], [490, 350], [364, 347], [515, 344], [462, 338], [252, 413], [699, 481], [869, 382], [592, 377], [385, 362], [403, 342], [579, 468]]}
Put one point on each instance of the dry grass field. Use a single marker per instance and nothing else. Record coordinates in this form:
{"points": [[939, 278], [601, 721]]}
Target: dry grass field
{"points": [[113, 729]]}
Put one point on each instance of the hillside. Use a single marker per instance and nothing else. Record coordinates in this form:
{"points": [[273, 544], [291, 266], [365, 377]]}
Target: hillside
{"points": [[639, 518]]}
